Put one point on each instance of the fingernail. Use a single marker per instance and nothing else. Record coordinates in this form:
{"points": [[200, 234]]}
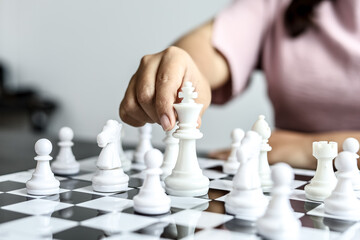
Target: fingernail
{"points": [[165, 122]]}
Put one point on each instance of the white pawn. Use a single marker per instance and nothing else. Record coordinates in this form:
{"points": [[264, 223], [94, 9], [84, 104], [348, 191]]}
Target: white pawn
{"points": [[263, 129], [232, 164], [246, 200], [343, 201], [279, 221], [43, 181], [65, 162], [352, 145], [144, 144], [171, 153], [152, 199]]}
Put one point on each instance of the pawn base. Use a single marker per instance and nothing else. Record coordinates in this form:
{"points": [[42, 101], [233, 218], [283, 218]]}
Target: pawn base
{"points": [[151, 208], [65, 169], [43, 192], [283, 230], [246, 203]]}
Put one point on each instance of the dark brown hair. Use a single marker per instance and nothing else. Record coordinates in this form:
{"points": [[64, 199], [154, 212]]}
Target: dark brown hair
{"points": [[298, 16]]}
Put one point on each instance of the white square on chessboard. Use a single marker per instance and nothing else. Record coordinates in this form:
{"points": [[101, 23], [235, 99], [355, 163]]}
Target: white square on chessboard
{"points": [[215, 234], [116, 222], [37, 207], [108, 204], [199, 219], [209, 163], [298, 194], [21, 177], [318, 234], [89, 189], [320, 212], [221, 184], [37, 225], [23, 192], [186, 202], [213, 174], [88, 164], [132, 236]]}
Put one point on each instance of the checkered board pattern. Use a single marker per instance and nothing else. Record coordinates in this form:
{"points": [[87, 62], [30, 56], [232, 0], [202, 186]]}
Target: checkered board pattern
{"points": [[78, 212]]}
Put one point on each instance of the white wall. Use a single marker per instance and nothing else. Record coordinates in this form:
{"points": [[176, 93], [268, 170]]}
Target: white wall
{"points": [[83, 53]]}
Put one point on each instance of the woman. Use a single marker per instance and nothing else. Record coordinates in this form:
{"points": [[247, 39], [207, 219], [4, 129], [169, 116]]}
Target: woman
{"points": [[309, 51]]}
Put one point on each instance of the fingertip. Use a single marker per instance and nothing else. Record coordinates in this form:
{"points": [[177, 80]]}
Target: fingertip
{"points": [[165, 122]]}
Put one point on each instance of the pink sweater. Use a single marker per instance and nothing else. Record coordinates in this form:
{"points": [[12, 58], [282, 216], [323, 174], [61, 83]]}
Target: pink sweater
{"points": [[313, 80]]}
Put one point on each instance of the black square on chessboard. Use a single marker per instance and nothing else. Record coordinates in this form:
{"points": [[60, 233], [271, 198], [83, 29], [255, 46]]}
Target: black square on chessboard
{"points": [[128, 194], [80, 232], [73, 197], [76, 213], [7, 186], [71, 184], [7, 216], [8, 199]]}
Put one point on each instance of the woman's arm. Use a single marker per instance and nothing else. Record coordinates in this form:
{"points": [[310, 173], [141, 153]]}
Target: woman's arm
{"points": [[296, 148]]}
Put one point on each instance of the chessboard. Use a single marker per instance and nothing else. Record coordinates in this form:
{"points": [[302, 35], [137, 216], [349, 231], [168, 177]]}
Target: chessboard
{"points": [[78, 212]]}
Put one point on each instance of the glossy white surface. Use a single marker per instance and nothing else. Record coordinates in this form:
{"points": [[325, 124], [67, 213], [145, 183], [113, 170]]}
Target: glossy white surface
{"points": [[108, 204], [116, 222], [200, 219], [37, 207]]}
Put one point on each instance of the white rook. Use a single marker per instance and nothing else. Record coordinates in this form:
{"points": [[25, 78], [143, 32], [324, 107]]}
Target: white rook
{"points": [[324, 181]]}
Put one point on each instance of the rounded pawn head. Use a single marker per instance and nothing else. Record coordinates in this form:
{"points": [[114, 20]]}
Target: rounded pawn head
{"points": [[282, 174], [153, 158], [237, 135], [66, 134], [345, 161], [43, 147], [351, 145]]}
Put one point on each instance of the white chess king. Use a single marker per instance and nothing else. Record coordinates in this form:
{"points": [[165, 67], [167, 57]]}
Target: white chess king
{"points": [[186, 178]]}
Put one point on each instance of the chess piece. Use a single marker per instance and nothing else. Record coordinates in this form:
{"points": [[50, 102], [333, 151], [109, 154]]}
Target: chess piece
{"points": [[324, 181], [144, 144], [352, 145], [171, 153], [263, 129], [232, 164], [65, 162], [43, 181], [110, 176], [186, 178], [246, 200], [152, 199], [125, 161], [279, 221], [343, 201]]}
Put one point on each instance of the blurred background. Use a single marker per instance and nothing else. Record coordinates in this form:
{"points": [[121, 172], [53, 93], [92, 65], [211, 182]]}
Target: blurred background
{"points": [[68, 63]]}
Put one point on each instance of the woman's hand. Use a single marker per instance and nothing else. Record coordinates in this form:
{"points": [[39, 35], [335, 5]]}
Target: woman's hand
{"points": [[153, 89]]}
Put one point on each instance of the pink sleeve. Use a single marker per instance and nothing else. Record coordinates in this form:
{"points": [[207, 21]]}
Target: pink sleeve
{"points": [[237, 34]]}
